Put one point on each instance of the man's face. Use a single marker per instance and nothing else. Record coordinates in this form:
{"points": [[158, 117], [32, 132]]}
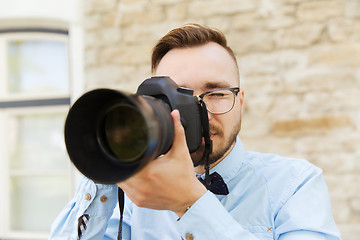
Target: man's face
{"points": [[204, 68]]}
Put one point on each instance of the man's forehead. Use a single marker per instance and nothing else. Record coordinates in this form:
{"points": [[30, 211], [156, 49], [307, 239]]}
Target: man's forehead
{"points": [[200, 68]]}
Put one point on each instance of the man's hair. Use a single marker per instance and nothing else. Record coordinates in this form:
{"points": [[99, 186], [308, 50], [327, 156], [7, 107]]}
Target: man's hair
{"points": [[189, 35]]}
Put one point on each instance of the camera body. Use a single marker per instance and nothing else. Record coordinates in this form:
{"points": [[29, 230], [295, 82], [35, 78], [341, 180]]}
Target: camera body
{"points": [[110, 135], [180, 98]]}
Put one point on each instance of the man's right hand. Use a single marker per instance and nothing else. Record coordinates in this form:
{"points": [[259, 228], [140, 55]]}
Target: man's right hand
{"points": [[169, 182]]}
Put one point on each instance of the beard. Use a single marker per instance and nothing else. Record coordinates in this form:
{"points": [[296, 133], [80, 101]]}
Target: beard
{"points": [[222, 145]]}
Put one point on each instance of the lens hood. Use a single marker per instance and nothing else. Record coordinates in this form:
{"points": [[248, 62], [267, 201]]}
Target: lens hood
{"points": [[88, 145]]}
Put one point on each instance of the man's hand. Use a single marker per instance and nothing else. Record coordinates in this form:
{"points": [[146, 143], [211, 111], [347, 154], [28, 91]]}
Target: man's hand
{"points": [[169, 182]]}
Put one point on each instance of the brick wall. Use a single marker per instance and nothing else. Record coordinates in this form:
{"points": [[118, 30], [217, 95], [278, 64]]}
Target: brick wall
{"points": [[300, 69]]}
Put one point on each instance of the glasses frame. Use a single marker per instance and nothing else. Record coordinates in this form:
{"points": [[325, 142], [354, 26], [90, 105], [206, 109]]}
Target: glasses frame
{"points": [[234, 90]]}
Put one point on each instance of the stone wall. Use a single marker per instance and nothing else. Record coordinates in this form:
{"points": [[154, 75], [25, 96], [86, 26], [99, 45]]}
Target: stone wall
{"points": [[300, 69]]}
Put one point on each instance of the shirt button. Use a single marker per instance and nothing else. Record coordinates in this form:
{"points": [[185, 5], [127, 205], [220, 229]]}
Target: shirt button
{"points": [[103, 199], [88, 196], [189, 236]]}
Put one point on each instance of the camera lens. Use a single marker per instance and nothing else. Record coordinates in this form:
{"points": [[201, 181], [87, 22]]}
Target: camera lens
{"points": [[125, 132], [110, 135]]}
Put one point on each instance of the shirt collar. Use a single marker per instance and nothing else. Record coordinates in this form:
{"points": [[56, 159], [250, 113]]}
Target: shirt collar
{"points": [[231, 164]]}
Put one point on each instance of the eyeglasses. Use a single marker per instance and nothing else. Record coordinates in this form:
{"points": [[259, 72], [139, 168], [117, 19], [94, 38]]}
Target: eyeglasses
{"points": [[221, 100]]}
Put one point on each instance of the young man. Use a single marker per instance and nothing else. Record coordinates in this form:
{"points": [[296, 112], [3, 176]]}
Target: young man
{"points": [[264, 196]]}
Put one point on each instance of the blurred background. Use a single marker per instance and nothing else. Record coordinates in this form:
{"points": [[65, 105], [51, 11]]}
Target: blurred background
{"points": [[300, 69]]}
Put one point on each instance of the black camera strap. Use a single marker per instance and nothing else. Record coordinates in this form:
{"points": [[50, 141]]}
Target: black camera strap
{"points": [[208, 142], [121, 201]]}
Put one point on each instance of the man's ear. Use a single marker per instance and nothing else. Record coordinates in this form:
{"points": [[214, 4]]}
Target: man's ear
{"points": [[241, 99]]}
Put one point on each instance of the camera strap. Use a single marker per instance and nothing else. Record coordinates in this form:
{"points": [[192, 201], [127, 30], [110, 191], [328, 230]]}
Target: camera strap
{"points": [[121, 201], [208, 142]]}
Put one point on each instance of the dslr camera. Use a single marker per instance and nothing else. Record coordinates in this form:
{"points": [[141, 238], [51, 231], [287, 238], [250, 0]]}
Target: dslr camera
{"points": [[110, 135]]}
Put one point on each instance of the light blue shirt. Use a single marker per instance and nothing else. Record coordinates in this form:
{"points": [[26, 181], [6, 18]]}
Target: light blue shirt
{"points": [[271, 197]]}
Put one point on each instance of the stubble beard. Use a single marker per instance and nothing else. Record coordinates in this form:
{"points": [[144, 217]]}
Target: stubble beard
{"points": [[223, 145]]}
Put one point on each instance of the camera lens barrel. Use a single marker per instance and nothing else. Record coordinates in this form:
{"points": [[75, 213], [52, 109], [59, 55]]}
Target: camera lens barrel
{"points": [[109, 135]]}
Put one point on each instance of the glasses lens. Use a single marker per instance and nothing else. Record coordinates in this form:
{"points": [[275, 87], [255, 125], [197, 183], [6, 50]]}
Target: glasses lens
{"points": [[126, 132], [219, 101]]}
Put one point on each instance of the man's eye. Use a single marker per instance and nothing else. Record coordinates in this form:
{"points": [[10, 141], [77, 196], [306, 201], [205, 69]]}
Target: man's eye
{"points": [[222, 94], [217, 95]]}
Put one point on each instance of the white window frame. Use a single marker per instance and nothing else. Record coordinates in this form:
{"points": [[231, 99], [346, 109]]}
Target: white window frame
{"points": [[28, 36], [76, 87], [7, 173]]}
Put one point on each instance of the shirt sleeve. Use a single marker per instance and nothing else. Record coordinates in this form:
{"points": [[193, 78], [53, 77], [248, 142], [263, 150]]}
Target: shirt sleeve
{"points": [[307, 213], [207, 219], [96, 200]]}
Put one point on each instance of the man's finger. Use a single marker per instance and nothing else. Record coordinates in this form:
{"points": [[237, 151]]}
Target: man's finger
{"points": [[179, 137]]}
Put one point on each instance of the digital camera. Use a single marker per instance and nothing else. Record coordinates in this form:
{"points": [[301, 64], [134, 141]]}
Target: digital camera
{"points": [[110, 135]]}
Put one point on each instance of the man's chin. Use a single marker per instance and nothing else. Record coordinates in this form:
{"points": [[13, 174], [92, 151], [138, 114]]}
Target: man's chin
{"points": [[221, 145], [197, 156]]}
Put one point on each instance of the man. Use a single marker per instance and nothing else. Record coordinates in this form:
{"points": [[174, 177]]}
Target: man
{"points": [[264, 196]]}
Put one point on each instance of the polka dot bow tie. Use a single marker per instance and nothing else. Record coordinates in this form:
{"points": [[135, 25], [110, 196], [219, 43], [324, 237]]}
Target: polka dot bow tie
{"points": [[217, 184]]}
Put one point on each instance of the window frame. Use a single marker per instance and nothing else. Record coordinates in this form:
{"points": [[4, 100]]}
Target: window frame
{"points": [[34, 103], [42, 34], [8, 173]]}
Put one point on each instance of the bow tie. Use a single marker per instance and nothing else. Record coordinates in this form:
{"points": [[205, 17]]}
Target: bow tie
{"points": [[217, 184]]}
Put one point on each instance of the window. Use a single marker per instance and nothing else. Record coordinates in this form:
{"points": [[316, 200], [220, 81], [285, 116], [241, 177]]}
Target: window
{"points": [[35, 171]]}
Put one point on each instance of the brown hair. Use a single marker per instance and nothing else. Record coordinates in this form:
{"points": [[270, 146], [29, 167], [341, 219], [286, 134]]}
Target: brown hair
{"points": [[189, 35]]}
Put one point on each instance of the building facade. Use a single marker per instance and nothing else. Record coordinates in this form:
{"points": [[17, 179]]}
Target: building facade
{"points": [[299, 64]]}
